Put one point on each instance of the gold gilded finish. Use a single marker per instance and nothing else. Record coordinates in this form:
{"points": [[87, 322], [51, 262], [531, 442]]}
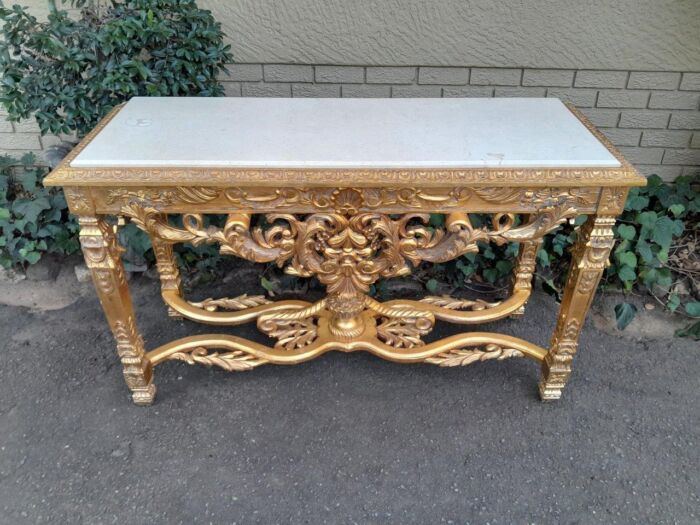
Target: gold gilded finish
{"points": [[347, 254], [282, 356], [459, 304], [235, 361], [348, 228], [235, 303], [472, 355], [103, 257], [590, 256]]}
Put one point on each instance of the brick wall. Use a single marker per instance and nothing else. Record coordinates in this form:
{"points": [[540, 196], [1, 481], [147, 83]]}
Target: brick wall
{"points": [[653, 117]]}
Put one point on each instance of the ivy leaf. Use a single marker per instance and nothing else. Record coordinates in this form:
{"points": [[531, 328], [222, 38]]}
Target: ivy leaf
{"points": [[673, 302], [4, 213], [636, 202], [489, 253], [693, 309], [644, 251], [626, 231], [678, 228], [692, 331], [663, 232], [512, 249], [626, 273], [647, 219], [32, 257], [267, 284], [431, 285], [466, 269], [30, 209], [624, 313], [437, 220], [551, 288], [627, 258], [491, 274], [28, 180], [504, 267], [664, 277], [677, 209]]}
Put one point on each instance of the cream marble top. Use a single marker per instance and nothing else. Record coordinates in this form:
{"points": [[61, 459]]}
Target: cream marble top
{"points": [[345, 133]]}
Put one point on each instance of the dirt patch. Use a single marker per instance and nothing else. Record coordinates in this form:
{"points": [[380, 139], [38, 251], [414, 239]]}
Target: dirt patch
{"points": [[651, 321], [59, 290]]}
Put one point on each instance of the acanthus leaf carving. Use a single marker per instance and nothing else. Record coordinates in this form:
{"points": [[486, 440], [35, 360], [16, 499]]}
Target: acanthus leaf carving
{"points": [[235, 361], [464, 357]]}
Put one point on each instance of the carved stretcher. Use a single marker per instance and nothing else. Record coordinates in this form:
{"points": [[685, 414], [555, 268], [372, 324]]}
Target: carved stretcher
{"points": [[349, 206]]}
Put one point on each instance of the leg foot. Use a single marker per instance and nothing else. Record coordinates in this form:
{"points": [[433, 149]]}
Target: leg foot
{"points": [[144, 396], [549, 394], [555, 371]]}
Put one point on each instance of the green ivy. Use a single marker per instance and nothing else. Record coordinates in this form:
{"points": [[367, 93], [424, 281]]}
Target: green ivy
{"points": [[657, 248], [33, 220], [68, 73]]}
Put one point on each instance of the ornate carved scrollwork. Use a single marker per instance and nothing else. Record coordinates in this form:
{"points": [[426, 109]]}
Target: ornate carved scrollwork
{"points": [[351, 200], [293, 329], [235, 238], [347, 253], [156, 196]]}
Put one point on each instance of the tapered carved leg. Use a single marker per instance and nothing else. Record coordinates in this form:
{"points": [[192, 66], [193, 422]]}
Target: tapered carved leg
{"points": [[589, 259], [103, 258], [167, 269], [525, 268]]}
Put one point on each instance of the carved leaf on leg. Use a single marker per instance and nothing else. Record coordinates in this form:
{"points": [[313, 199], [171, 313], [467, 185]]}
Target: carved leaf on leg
{"points": [[467, 356]]}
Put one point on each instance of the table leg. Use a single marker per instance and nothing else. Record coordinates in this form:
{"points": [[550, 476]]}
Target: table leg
{"points": [[525, 268], [167, 269], [589, 259], [103, 257]]}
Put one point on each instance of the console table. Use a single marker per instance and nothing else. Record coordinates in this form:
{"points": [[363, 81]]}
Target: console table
{"points": [[346, 186]]}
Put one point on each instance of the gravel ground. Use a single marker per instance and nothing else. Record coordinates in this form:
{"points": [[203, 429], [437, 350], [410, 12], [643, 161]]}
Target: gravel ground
{"points": [[347, 438]]}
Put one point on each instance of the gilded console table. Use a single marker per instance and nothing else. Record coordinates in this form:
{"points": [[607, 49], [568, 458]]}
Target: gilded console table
{"points": [[345, 186]]}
